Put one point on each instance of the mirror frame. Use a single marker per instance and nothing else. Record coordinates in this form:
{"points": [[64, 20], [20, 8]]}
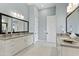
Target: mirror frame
{"points": [[2, 14], [67, 20]]}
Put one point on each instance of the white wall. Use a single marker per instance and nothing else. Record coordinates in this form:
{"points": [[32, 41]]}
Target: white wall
{"points": [[20, 8], [31, 19], [61, 13], [36, 24], [42, 23]]}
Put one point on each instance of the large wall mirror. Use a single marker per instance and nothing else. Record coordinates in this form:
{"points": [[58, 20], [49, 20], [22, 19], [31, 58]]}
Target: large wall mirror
{"points": [[11, 24], [73, 22]]}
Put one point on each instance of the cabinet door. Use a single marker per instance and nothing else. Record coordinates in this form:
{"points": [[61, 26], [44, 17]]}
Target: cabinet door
{"points": [[15, 45], [2, 49], [25, 41], [22, 42], [29, 39], [18, 44], [70, 51], [10, 47]]}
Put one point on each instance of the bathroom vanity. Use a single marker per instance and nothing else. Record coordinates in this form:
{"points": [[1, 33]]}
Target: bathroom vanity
{"points": [[68, 43], [68, 48], [13, 44], [14, 35]]}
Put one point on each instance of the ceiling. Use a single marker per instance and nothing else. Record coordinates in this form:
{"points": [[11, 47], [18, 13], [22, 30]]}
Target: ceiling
{"points": [[43, 5]]}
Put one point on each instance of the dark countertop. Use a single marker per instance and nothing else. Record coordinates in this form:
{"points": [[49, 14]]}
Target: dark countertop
{"points": [[13, 35]]}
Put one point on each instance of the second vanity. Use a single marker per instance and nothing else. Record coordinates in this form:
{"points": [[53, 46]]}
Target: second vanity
{"points": [[66, 48]]}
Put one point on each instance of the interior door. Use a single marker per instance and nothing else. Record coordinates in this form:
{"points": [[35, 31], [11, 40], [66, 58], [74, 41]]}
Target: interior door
{"points": [[51, 29]]}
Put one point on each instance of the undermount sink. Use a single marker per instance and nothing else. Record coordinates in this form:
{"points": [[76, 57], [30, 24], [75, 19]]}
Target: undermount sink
{"points": [[69, 40]]}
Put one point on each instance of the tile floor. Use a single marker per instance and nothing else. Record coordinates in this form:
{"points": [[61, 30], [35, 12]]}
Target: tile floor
{"points": [[39, 49]]}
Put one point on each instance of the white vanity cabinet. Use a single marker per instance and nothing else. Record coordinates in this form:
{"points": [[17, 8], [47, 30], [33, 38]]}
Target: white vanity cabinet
{"points": [[13, 46], [67, 49], [29, 40], [70, 51], [8, 47]]}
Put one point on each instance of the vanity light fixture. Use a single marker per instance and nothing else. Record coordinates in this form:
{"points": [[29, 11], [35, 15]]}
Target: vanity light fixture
{"points": [[17, 15], [22, 17], [71, 7], [14, 14]]}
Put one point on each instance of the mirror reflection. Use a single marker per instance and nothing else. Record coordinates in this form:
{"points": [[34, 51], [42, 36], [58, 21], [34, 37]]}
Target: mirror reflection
{"points": [[11, 25], [73, 22]]}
